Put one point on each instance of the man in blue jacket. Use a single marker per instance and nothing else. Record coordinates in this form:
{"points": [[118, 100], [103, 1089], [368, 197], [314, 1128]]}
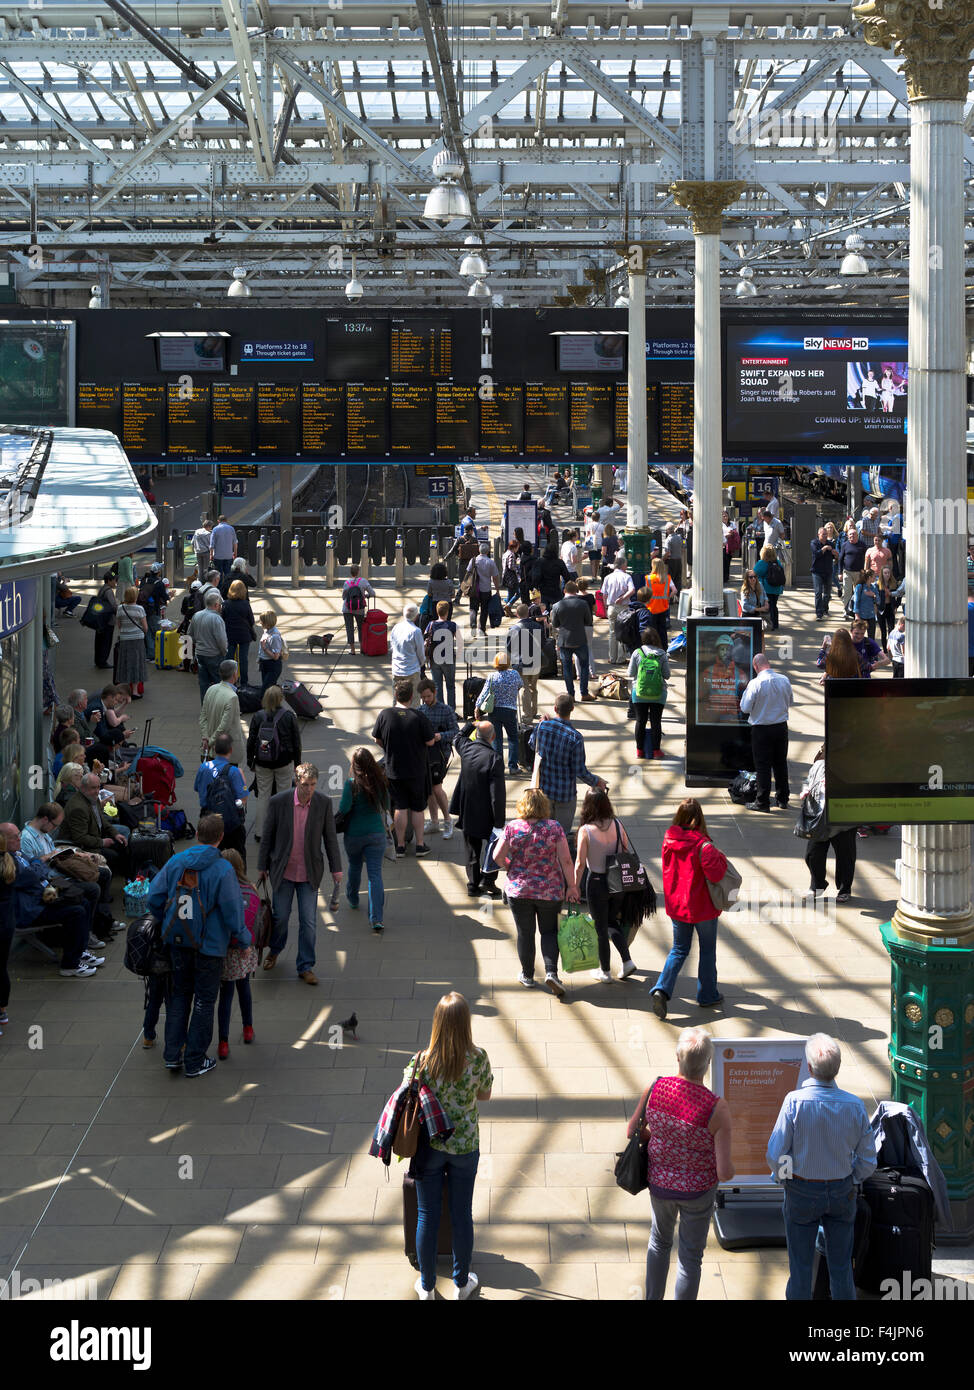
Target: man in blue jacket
{"points": [[197, 899]]}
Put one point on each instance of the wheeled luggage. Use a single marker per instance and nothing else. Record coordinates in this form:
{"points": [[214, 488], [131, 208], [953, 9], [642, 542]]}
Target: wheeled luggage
{"points": [[901, 1230], [472, 687], [301, 700], [410, 1215], [168, 649], [149, 847], [375, 633]]}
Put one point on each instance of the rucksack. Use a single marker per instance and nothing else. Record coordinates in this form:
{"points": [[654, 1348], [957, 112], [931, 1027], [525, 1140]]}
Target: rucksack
{"points": [[268, 738], [97, 614], [627, 629], [649, 677], [146, 595], [219, 799], [185, 919], [145, 955], [775, 575], [354, 597]]}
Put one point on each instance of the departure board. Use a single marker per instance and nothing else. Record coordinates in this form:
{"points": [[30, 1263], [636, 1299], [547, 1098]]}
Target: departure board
{"points": [[322, 419], [188, 420], [233, 419], [99, 406], [421, 347], [144, 419], [652, 418], [592, 419], [546, 419], [366, 418], [411, 418], [277, 418], [356, 349], [502, 423], [457, 419], [676, 419]]}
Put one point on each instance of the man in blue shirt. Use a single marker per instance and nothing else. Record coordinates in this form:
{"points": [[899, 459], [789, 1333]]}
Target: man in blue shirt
{"points": [[215, 799], [820, 1148], [561, 749], [766, 702], [823, 558], [223, 545]]}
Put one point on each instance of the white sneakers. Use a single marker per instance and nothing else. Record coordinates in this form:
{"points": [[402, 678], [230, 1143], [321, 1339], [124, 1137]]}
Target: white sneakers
{"points": [[425, 1295], [628, 969], [459, 1294], [80, 971], [447, 828], [430, 825], [602, 976]]}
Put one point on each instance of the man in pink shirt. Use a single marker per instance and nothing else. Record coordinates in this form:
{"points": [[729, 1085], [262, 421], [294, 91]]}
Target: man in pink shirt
{"points": [[877, 556]]}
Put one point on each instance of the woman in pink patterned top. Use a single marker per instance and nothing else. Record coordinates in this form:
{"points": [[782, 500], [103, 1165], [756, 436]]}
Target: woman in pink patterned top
{"points": [[540, 874], [689, 1153]]}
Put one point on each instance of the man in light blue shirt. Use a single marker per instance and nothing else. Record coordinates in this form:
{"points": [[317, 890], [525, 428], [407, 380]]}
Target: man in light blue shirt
{"points": [[766, 702], [223, 545], [820, 1148]]}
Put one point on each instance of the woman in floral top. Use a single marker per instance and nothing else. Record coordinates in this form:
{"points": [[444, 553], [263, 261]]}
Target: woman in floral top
{"points": [[504, 684], [540, 873], [460, 1076]]}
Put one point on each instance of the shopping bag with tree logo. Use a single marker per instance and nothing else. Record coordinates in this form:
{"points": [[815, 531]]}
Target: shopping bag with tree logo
{"points": [[578, 942]]}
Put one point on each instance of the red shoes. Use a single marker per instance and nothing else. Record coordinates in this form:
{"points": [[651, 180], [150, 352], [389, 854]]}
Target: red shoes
{"points": [[223, 1051], [248, 1035]]}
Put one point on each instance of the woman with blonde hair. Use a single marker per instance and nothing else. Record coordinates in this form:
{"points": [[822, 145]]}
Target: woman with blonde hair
{"points": [[540, 875], [769, 557], [459, 1074], [500, 692], [8, 872], [131, 626], [273, 746]]}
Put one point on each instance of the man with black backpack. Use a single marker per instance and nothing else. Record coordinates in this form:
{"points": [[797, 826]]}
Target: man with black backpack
{"points": [[153, 596], [356, 593], [222, 791]]}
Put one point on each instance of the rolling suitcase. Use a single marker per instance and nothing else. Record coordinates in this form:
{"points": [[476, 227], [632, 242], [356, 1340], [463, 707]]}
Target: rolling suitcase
{"points": [[375, 635], [901, 1232], [168, 655], [549, 659], [249, 698], [147, 847], [525, 753], [410, 1215], [301, 700], [472, 687]]}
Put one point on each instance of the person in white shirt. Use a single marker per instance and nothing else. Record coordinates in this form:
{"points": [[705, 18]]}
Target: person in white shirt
{"points": [[408, 652], [774, 532], [766, 702], [870, 390], [773, 506], [594, 533], [609, 511], [571, 554], [617, 586]]}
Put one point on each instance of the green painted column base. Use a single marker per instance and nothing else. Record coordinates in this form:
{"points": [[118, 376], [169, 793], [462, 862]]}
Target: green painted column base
{"points": [[931, 1056]]}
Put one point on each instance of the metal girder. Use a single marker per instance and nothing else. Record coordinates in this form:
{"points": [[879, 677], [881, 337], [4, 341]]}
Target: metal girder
{"points": [[437, 38], [32, 98], [260, 139], [499, 97], [575, 57]]}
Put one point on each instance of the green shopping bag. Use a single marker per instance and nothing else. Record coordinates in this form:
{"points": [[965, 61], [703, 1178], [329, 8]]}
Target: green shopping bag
{"points": [[578, 942]]}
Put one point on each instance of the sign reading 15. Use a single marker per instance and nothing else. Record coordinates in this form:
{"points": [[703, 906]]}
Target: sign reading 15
{"points": [[439, 487]]}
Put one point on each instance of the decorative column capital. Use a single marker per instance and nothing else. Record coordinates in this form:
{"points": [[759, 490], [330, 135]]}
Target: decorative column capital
{"points": [[637, 254], [936, 42], [705, 199]]}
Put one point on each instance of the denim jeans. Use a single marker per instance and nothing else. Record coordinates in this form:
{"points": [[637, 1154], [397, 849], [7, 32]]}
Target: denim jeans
{"points": [[822, 584], [707, 990], [694, 1214], [241, 655], [152, 621], [208, 673], [503, 717], [831, 1205], [307, 920], [568, 670], [195, 986], [461, 1174], [445, 680], [270, 673], [246, 998], [353, 621], [372, 849], [223, 566]]}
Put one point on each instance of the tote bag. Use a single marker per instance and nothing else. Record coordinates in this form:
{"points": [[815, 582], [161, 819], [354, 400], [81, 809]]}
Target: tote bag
{"points": [[722, 892]]}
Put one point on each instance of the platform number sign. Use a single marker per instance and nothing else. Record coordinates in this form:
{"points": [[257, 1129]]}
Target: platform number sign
{"points": [[234, 487], [438, 488]]}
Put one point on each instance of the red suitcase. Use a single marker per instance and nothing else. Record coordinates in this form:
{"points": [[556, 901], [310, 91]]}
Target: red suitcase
{"points": [[301, 700], [375, 636], [600, 608]]}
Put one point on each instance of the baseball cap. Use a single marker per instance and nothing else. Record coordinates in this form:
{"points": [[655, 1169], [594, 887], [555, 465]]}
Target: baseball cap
{"points": [[724, 642], [154, 569], [196, 584]]}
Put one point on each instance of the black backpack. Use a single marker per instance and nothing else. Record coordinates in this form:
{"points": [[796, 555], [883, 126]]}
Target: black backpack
{"points": [[354, 597], [775, 575], [269, 739], [145, 955], [628, 631], [219, 799]]}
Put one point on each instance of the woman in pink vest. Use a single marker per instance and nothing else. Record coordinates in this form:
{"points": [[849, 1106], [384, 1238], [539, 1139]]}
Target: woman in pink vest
{"points": [[688, 1154]]}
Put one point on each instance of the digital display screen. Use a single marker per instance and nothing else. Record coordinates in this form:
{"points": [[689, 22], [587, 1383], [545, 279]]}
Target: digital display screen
{"points": [[420, 347], [233, 419], [188, 412], [808, 385], [502, 422], [277, 418], [34, 370], [720, 653], [183, 353], [322, 419], [592, 419], [411, 418], [144, 418], [622, 418], [676, 419], [356, 349], [366, 416], [926, 731], [591, 352], [546, 419], [99, 406], [457, 419]]}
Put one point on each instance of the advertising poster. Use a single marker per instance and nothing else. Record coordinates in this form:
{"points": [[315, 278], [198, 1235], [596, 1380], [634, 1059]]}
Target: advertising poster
{"points": [[36, 366], [720, 653], [754, 1075], [523, 514]]}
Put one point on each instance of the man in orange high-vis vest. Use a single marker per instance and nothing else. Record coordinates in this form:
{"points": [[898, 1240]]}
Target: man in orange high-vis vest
{"points": [[661, 590]]}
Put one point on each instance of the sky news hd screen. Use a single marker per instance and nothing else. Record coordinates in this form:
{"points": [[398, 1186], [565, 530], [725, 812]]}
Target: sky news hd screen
{"points": [[817, 389]]}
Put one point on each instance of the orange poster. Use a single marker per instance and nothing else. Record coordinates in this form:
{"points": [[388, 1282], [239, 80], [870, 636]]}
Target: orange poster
{"points": [[754, 1076]]}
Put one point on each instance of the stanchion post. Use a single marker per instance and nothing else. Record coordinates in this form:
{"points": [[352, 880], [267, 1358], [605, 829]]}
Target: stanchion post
{"points": [[261, 559], [363, 556], [330, 563], [296, 561]]}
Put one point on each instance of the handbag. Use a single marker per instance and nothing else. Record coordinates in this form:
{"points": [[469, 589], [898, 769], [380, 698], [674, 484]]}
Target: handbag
{"points": [[578, 942], [485, 700], [75, 867], [624, 871], [466, 584], [722, 892], [410, 1120], [632, 1166]]}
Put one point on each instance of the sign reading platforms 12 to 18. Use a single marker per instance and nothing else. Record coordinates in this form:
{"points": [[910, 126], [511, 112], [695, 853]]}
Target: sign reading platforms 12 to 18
{"points": [[754, 1075], [303, 351]]}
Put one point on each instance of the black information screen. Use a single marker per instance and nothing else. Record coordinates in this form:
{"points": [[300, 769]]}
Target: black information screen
{"points": [[356, 349], [502, 422], [676, 419], [188, 420], [366, 416], [233, 419], [421, 347], [546, 419], [322, 419], [277, 418], [99, 406], [411, 417], [144, 418], [592, 418], [652, 418], [457, 419]]}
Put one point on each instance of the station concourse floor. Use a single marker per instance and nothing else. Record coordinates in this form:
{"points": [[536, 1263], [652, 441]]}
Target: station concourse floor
{"points": [[254, 1182]]}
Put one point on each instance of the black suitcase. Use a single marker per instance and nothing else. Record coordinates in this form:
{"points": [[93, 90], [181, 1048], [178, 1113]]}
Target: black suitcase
{"points": [[410, 1215], [549, 659], [525, 753], [301, 700], [901, 1233], [153, 847], [249, 697], [821, 1287], [472, 687]]}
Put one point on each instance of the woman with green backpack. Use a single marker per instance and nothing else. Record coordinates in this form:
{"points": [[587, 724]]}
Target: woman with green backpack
{"points": [[649, 670]]}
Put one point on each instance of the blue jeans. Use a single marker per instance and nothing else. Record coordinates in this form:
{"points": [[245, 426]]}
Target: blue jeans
{"points": [[246, 998], [461, 1172], [694, 1214], [822, 584], [371, 848], [445, 680], [223, 566], [568, 670], [506, 719], [195, 986], [270, 673], [152, 621], [208, 673], [241, 655], [307, 920], [707, 990], [831, 1205]]}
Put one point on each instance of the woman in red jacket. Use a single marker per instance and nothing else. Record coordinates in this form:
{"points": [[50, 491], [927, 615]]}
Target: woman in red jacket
{"points": [[690, 860]]}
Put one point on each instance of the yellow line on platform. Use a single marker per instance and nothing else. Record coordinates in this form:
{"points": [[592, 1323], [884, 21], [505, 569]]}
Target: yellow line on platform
{"points": [[496, 510]]}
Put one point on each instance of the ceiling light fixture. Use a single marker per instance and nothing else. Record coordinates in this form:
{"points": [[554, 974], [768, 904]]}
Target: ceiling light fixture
{"points": [[238, 287], [447, 201], [354, 290], [854, 262]]}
